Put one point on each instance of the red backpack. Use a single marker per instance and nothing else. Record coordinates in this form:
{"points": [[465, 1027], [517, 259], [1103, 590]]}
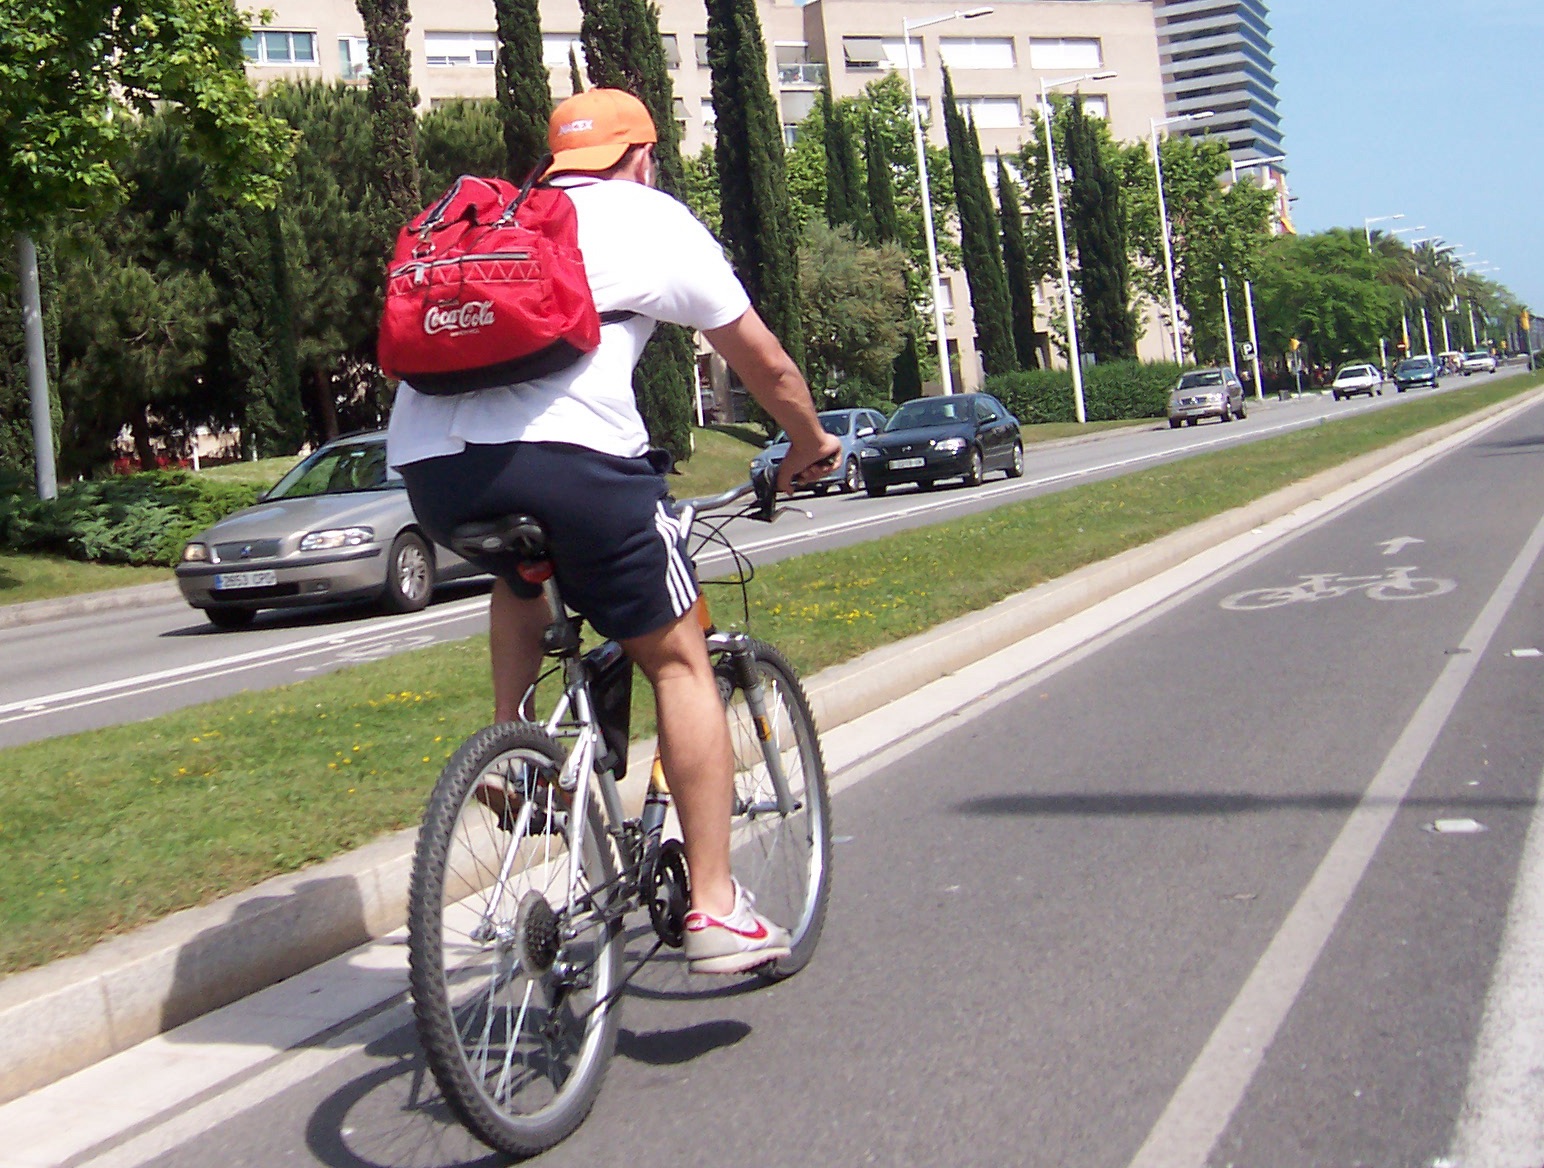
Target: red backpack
{"points": [[486, 288]]}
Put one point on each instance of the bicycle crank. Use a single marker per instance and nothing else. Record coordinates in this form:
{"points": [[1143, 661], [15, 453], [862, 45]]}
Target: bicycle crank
{"points": [[669, 894]]}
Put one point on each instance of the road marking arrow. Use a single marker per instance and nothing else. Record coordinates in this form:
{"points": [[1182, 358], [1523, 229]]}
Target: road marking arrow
{"points": [[1392, 547]]}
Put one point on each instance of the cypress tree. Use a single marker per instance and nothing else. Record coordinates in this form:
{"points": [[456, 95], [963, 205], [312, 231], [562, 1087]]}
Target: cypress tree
{"points": [[844, 173], [520, 81], [575, 78], [1021, 296], [758, 218], [884, 225], [623, 50], [1093, 201], [980, 242], [394, 123]]}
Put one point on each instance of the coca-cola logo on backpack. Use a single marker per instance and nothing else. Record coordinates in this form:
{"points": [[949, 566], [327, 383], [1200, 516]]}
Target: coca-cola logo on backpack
{"points": [[486, 288]]}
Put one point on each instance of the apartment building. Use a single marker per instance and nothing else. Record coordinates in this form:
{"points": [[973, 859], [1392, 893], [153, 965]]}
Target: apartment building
{"points": [[997, 62]]}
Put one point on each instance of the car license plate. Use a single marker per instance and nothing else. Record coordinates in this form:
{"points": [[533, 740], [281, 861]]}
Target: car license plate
{"points": [[262, 579], [906, 463]]}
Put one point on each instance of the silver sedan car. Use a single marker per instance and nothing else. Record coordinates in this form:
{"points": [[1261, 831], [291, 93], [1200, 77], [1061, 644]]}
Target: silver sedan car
{"points": [[338, 527]]}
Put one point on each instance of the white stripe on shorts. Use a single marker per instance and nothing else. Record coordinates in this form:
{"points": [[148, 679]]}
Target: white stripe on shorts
{"points": [[678, 577]]}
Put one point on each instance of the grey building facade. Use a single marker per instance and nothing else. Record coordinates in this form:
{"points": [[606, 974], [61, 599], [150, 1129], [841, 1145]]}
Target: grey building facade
{"points": [[1216, 55]]}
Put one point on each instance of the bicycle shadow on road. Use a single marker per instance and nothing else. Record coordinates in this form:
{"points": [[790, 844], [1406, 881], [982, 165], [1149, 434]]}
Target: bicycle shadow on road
{"points": [[1532, 444], [1177, 803]]}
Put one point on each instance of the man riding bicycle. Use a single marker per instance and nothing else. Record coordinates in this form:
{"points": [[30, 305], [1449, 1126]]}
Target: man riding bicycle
{"points": [[571, 449]]}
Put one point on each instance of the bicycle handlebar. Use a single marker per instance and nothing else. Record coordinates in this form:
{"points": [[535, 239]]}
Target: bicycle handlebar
{"points": [[763, 483]]}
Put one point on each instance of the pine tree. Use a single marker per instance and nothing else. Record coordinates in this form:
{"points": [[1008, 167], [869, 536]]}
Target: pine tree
{"points": [[1021, 296], [520, 81], [758, 220], [392, 116], [1094, 207], [980, 241], [623, 50]]}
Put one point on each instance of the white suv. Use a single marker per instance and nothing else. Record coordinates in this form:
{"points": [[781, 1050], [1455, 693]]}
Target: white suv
{"points": [[1478, 361]]}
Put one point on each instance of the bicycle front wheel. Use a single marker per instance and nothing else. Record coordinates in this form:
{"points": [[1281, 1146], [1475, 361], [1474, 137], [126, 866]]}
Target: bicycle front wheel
{"points": [[782, 858], [512, 963]]}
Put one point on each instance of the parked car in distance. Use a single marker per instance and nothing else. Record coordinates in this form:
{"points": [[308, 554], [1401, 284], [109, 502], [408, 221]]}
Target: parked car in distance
{"points": [[1206, 393], [1415, 371], [851, 426], [1355, 379], [1478, 361], [337, 527], [961, 435]]}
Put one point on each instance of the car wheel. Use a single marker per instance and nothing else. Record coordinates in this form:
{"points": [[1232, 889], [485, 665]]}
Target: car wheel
{"points": [[977, 470], [926, 484], [875, 490], [230, 618], [409, 574], [852, 481], [1016, 467], [1191, 421], [1379, 392], [821, 488], [1243, 410], [1335, 394], [1174, 423], [1227, 414]]}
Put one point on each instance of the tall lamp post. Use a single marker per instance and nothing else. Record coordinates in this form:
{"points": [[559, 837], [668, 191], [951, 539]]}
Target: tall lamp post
{"points": [[1383, 345], [1163, 223], [1254, 337], [945, 375], [1061, 232]]}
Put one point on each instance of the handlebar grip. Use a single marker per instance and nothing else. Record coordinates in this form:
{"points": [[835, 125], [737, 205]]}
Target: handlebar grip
{"points": [[764, 482]]}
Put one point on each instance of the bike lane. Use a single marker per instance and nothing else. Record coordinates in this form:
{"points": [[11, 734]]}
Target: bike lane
{"points": [[1042, 911]]}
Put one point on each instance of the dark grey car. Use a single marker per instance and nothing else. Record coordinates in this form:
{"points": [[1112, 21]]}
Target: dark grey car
{"points": [[338, 527]]}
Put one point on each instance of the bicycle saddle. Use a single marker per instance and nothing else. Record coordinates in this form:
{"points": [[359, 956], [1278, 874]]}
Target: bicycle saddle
{"points": [[520, 535]]}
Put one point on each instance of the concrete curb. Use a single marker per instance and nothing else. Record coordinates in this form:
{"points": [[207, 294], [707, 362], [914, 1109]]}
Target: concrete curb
{"points": [[67, 1015], [31, 612]]}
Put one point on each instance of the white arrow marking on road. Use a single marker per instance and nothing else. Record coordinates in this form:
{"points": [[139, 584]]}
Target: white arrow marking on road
{"points": [[1392, 547]]}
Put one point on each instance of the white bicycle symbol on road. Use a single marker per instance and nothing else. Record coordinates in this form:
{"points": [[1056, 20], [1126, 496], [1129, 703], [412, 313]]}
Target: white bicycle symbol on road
{"points": [[1395, 584]]}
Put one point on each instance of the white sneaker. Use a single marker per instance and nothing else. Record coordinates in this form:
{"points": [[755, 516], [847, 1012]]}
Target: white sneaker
{"points": [[736, 943]]}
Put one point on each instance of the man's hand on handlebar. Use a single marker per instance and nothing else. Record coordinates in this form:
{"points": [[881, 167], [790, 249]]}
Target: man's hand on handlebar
{"points": [[807, 461]]}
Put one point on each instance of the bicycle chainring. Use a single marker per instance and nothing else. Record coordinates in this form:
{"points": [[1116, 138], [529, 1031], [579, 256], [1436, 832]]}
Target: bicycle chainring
{"points": [[670, 894]]}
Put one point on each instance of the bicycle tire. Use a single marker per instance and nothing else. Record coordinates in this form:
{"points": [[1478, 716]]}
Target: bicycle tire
{"points": [[784, 861], [519, 1072], [1420, 588], [1257, 599]]}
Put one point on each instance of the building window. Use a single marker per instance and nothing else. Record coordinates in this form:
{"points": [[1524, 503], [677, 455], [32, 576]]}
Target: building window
{"points": [[555, 46], [796, 105], [700, 47], [1097, 105], [353, 58], [709, 115], [1065, 53], [977, 52], [276, 47], [992, 113], [860, 52], [945, 293], [678, 108], [667, 41], [460, 48], [925, 110]]}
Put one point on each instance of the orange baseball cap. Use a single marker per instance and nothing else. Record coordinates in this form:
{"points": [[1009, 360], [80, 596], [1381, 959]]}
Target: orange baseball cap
{"points": [[593, 129]]}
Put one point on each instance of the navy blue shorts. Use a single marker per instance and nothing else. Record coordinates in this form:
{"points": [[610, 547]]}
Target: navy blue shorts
{"points": [[616, 544]]}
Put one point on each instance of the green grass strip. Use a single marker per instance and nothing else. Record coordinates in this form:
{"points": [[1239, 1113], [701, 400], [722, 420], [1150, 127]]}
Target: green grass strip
{"points": [[109, 829]]}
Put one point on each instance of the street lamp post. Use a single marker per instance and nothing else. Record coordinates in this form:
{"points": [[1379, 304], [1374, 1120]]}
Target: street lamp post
{"points": [[1061, 233], [1227, 320], [1254, 339], [945, 375], [1383, 347], [1163, 223]]}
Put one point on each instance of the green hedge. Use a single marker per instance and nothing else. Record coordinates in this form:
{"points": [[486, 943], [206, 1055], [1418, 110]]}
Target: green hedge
{"points": [[1120, 389], [136, 519]]}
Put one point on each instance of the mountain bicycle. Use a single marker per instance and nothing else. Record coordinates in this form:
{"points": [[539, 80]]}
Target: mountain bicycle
{"points": [[527, 864]]}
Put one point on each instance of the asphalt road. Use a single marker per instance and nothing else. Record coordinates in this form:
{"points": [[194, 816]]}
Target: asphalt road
{"points": [[88, 671], [1175, 898]]}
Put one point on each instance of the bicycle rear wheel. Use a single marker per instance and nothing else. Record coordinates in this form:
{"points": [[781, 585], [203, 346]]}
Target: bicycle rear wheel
{"points": [[783, 860], [511, 966]]}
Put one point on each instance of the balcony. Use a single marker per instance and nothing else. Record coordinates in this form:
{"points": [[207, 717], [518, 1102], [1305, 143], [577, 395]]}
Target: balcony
{"points": [[801, 73]]}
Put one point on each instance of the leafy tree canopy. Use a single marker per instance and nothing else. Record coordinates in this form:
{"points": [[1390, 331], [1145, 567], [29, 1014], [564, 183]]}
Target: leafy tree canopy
{"points": [[855, 312]]}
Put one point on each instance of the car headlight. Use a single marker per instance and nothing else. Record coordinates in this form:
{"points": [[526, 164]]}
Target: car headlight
{"points": [[948, 445], [337, 537], [868, 452], [195, 553]]}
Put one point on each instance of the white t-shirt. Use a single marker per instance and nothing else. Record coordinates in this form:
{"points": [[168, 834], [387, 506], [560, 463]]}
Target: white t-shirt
{"points": [[645, 253]]}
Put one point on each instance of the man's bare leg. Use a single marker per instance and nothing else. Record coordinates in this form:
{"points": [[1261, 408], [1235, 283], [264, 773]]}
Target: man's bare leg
{"points": [[515, 626], [695, 749]]}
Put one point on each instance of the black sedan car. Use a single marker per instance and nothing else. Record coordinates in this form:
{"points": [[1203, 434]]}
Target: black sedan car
{"points": [[960, 436]]}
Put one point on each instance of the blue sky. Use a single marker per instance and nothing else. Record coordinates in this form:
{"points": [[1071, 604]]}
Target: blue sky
{"points": [[1427, 107]]}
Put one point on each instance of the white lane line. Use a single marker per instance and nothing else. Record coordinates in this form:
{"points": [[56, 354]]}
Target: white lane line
{"points": [[198, 671], [1200, 1109], [1502, 1121]]}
